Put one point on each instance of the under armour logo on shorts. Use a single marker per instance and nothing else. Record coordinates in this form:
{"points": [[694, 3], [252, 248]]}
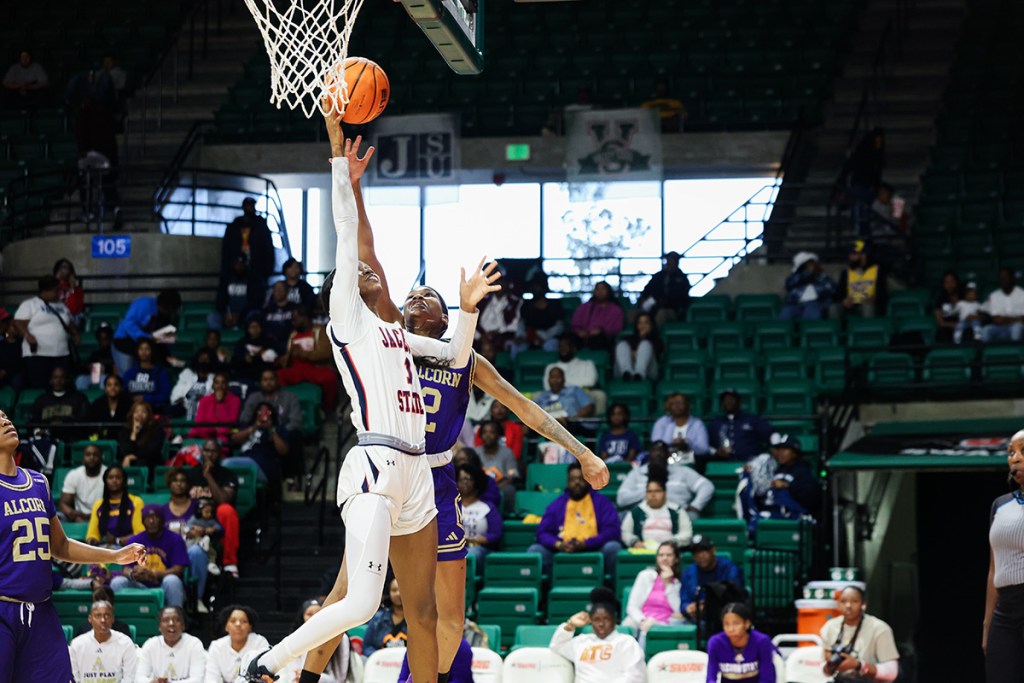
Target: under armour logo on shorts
{"points": [[379, 566], [389, 462]]}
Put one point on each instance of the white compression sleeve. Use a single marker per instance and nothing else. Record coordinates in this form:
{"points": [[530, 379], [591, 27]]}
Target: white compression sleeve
{"points": [[887, 671], [366, 546], [457, 351]]}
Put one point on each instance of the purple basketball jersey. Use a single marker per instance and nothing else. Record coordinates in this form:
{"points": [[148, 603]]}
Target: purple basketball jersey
{"points": [[26, 509], [445, 399]]}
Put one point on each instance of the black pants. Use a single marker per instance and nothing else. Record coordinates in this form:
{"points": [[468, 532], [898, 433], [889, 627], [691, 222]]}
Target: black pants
{"points": [[1004, 661]]}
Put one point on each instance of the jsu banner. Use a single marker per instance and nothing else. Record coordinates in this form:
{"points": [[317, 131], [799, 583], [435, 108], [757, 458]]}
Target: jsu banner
{"points": [[418, 149], [613, 144]]}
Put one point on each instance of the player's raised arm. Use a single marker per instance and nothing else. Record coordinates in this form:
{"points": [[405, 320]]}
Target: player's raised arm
{"points": [[345, 302], [533, 416], [471, 292], [386, 308]]}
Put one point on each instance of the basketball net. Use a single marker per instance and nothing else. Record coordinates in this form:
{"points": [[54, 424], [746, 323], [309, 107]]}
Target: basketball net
{"points": [[307, 48]]}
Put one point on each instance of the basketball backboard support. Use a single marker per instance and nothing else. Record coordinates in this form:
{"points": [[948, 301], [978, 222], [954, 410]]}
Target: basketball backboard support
{"points": [[455, 27]]}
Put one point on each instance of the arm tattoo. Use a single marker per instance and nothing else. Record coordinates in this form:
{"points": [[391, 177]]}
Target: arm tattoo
{"points": [[553, 430]]}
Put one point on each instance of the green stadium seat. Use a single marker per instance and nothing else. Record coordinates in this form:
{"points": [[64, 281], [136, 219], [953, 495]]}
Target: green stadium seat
{"points": [[1002, 364], [512, 570], [908, 303], [681, 337], [137, 478], [602, 360], [688, 366], [529, 370], [709, 309], [577, 569], [785, 364], [950, 367], [108, 446], [789, 397], [517, 536], [23, 408], [532, 635], [868, 333], [565, 601], [664, 638], [830, 371], [726, 336], [471, 580], [918, 325], [772, 334], [548, 478], [887, 369], [636, 395], [72, 605], [8, 399], [792, 536], [69, 633], [772, 578], [629, 563], [735, 366], [819, 334], [493, 634], [248, 482], [757, 307], [75, 530], [311, 402], [507, 608], [729, 535]]}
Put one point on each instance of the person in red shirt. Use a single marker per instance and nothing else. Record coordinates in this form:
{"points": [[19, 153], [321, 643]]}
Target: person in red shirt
{"points": [[307, 357], [70, 289], [221, 408]]}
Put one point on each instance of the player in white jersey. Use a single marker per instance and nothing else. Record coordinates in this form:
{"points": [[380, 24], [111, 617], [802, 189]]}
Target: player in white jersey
{"points": [[385, 487], [103, 655]]}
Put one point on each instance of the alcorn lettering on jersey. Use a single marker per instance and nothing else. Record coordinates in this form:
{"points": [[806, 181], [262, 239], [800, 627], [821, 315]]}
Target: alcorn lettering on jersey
{"points": [[26, 508], [445, 400]]}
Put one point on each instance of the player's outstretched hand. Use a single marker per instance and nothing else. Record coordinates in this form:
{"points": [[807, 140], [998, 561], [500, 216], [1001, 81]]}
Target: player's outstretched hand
{"points": [[594, 470], [356, 165], [479, 285], [333, 121], [130, 554]]}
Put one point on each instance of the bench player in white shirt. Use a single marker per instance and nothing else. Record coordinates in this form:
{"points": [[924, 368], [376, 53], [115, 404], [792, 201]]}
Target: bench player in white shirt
{"points": [[102, 654], [385, 486]]}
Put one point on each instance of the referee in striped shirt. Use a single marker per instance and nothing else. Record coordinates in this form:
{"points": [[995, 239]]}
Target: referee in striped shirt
{"points": [[1003, 632]]}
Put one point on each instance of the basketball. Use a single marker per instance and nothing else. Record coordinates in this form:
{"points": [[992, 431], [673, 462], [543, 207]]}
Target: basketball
{"points": [[368, 90]]}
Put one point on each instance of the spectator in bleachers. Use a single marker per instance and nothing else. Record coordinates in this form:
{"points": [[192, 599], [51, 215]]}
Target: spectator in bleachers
{"points": [[249, 237], [681, 431], [579, 372], [117, 515], [578, 521], [686, 488], [101, 592], [226, 655], [174, 655], [511, 431], [946, 317], [254, 352], [968, 310], [655, 520], [203, 532], [236, 296], [148, 317], [809, 291], [300, 292], [604, 656], [671, 111], [499, 462], [146, 380], [10, 351], [180, 507], [636, 356], [387, 628], [481, 520], [25, 83], [740, 652], [103, 654], [499, 319], [83, 486], [863, 287], [263, 443], [566, 403], [860, 178], [71, 293], [708, 572], [218, 354], [59, 405], [654, 598], [735, 434], [221, 407], [193, 384], [779, 485], [100, 363], [166, 559], [111, 81], [277, 315], [210, 479], [598, 321], [337, 669], [286, 404], [47, 330], [113, 407], [666, 295], [181, 515], [470, 458], [891, 212], [308, 358], [865, 643], [141, 439], [1004, 308], [618, 443], [542, 317]]}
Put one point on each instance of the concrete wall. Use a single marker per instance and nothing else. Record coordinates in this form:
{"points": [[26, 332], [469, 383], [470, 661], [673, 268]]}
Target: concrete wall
{"points": [[703, 155], [152, 255]]}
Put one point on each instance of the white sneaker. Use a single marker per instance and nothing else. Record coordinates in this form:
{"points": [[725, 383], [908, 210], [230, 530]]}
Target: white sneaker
{"points": [[231, 569], [213, 569], [201, 608]]}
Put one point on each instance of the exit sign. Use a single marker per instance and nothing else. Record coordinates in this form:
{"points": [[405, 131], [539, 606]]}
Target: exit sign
{"points": [[520, 152]]}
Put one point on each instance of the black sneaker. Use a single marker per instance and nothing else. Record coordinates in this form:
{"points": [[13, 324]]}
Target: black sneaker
{"points": [[255, 672]]}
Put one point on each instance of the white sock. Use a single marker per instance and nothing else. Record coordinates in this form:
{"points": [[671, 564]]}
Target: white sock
{"points": [[367, 542]]}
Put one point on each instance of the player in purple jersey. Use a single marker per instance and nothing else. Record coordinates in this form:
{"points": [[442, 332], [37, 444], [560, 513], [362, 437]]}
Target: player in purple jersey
{"points": [[445, 398], [32, 646]]}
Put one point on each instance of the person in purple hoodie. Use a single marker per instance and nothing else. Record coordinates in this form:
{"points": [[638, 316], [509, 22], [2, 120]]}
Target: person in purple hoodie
{"points": [[739, 652], [600, 320], [578, 521]]}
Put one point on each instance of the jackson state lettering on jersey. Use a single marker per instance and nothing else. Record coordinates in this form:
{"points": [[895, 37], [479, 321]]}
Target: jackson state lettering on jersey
{"points": [[393, 339], [445, 399]]}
